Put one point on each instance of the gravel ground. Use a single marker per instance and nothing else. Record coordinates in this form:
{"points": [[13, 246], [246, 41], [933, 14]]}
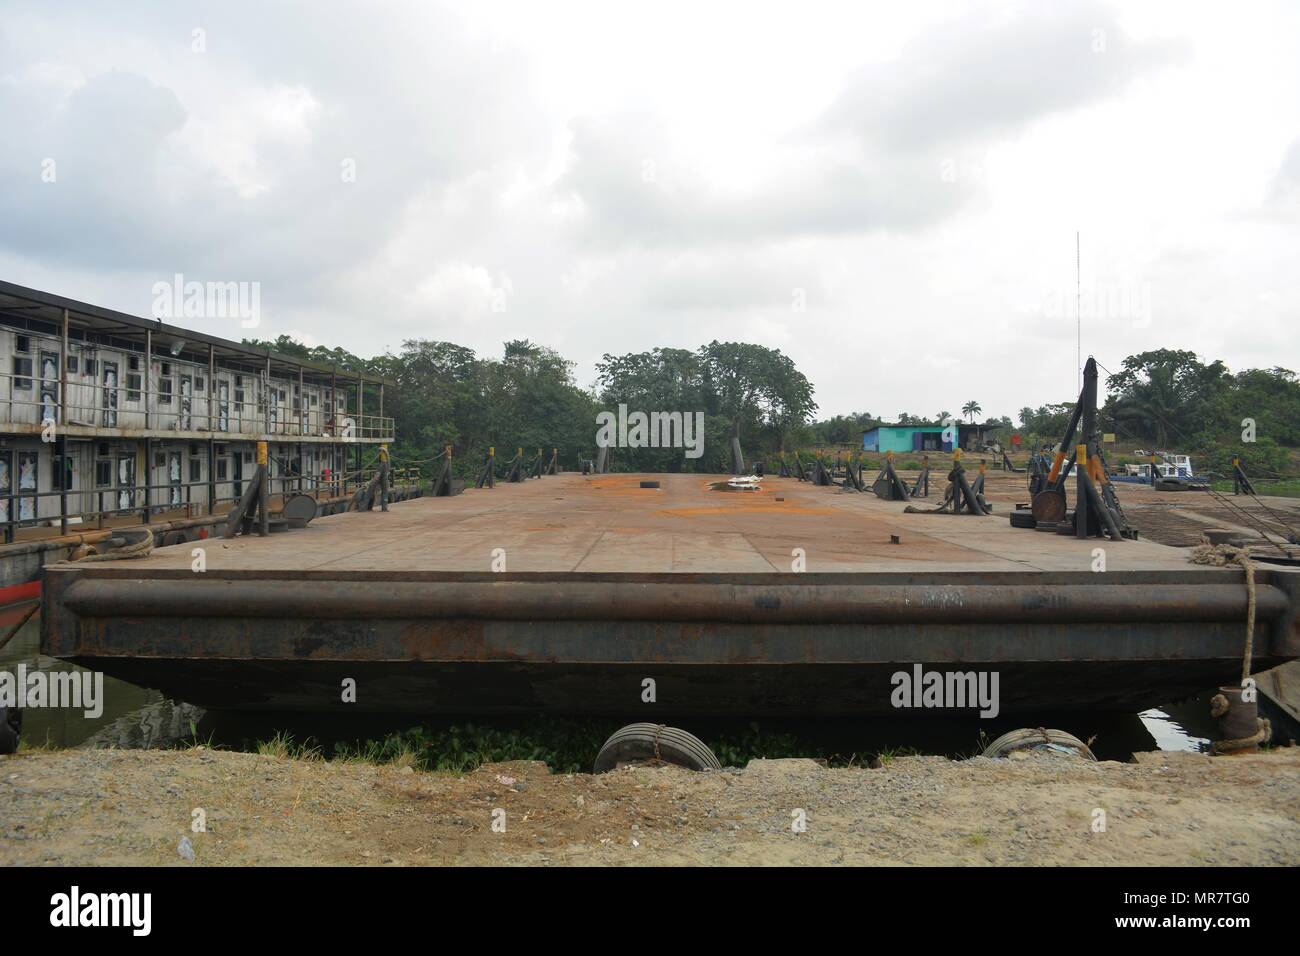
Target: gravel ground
{"points": [[134, 807]]}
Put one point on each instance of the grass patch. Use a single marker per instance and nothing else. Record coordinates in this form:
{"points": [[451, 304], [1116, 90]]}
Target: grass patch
{"points": [[567, 746], [195, 742], [283, 747], [1289, 488], [26, 747], [886, 756]]}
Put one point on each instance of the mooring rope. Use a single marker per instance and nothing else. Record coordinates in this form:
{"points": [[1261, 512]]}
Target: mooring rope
{"points": [[1221, 555], [137, 549], [418, 461]]}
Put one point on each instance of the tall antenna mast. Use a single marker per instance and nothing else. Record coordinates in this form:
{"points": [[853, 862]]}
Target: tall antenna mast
{"points": [[1078, 314]]}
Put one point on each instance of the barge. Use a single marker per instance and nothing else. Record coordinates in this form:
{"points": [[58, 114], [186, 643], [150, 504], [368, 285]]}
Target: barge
{"points": [[590, 594]]}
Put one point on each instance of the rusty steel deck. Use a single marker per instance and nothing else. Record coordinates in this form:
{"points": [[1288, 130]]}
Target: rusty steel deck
{"points": [[606, 584]]}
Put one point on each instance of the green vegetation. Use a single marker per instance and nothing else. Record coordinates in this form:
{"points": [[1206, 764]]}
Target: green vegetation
{"points": [[566, 745], [1283, 489], [283, 746], [1168, 397], [746, 390], [1170, 400], [447, 395], [888, 755]]}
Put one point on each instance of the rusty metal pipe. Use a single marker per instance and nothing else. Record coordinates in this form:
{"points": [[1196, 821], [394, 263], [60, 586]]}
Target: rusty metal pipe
{"points": [[211, 596]]}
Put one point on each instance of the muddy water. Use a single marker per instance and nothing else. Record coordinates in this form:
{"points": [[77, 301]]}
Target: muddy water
{"points": [[63, 727], [134, 718]]}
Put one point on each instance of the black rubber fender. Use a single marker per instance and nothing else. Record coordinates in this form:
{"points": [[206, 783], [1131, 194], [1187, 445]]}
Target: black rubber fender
{"points": [[11, 723], [1023, 519], [645, 741], [1038, 738]]}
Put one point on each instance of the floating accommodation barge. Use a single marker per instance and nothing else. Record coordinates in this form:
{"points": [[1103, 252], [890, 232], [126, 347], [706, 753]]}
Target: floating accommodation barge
{"points": [[109, 419]]}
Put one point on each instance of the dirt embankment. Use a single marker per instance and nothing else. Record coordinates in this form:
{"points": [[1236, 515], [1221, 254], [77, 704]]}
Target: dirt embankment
{"points": [[133, 807]]}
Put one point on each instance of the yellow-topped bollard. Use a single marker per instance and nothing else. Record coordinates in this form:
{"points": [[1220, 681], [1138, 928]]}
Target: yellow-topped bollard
{"points": [[261, 453]]}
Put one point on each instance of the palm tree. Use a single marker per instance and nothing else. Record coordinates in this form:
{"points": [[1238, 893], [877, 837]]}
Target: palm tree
{"points": [[972, 409], [1152, 407]]}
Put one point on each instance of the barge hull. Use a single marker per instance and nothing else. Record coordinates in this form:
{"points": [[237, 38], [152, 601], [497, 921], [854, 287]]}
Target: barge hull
{"points": [[680, 588]]}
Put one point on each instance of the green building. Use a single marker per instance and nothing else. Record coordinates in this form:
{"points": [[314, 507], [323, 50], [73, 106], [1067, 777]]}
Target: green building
{"points": [[905, 438]]}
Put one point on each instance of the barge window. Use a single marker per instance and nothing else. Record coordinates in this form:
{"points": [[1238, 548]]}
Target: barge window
{"points": [[133, 386], [72, 363], [103, 473], [61, 472], [22, 373]]}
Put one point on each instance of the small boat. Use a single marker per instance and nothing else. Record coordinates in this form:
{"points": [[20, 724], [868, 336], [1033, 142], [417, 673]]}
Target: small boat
{"points": [[1173, 472]]}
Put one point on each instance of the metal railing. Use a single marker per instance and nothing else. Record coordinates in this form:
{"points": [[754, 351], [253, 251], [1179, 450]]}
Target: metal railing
{"points": [[31, 400], [92, 507]]}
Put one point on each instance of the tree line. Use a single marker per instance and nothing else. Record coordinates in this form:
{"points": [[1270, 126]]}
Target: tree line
{"points": [[1169, 400], [446, 394]]}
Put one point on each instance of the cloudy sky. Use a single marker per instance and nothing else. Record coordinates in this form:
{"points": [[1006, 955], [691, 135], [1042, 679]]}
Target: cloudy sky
{"points": [[888, 193]]}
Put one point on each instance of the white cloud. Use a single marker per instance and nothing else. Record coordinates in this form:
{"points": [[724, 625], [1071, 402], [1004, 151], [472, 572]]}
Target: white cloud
{"points": [[620, 184]]}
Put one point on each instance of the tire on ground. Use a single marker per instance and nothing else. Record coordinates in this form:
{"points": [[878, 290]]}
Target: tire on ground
{"points": [[1023, 519], [645, 741], [1039, 738], [1048, 505]]}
